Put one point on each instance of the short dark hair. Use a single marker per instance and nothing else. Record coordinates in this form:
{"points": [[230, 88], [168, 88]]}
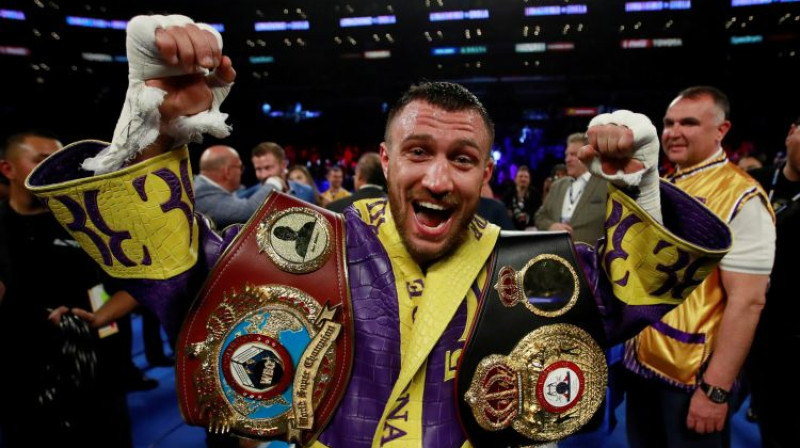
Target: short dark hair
{"points": [[17, 139], [449, 96], [370, 169], [265, 148], [719, 97]]}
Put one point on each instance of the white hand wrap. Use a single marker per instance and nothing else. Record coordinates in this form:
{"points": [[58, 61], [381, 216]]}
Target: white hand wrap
{"points": [[138, 124], [646, 147]]}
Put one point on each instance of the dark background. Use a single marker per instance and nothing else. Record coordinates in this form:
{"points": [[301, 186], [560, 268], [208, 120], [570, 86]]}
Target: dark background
{"points": [[54, 87]]}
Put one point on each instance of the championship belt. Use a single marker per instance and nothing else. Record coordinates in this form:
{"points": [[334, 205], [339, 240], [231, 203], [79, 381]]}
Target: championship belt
{"points": [[266, 349], [533, 368]]}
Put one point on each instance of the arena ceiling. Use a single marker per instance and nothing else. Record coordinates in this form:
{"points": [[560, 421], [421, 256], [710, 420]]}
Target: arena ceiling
{"points": [[334, 65]]}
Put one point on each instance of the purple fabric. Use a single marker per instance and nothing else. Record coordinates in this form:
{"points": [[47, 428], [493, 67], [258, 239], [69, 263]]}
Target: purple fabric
{"points": [[65, 165], [683, 217], [376, 364], [377, 355], [440, 423], [688, 338], [170, 299]]}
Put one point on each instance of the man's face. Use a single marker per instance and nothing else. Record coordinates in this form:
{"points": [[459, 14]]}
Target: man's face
{"points": [[24, 158], [693, 130], [267, 166], [523, 179], [435, 163], [793, 148], [335, 179], [575, 168], [235, 169]]}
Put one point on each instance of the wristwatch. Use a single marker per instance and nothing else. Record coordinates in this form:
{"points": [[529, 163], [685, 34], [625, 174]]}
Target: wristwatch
{"points": [[716, 394]]}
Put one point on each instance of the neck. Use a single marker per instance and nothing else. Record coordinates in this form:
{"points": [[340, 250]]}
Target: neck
{"points": [[24, 203], [791, 173]]}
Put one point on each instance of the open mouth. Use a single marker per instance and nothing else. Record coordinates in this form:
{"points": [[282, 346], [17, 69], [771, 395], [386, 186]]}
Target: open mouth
{"points": [[433, 216]]}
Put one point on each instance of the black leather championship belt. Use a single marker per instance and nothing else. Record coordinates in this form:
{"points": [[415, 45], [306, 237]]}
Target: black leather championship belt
{"points": [[266, 349], [533, 369]]}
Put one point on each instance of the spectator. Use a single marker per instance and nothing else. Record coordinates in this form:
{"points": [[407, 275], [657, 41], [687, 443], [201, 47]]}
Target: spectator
{"points": [[269, 161], [369, 182], [54, 393], [778, 332], [750, 163], [301, 175], [576, 202], [523, 200], [216, 185], [335, 190]]}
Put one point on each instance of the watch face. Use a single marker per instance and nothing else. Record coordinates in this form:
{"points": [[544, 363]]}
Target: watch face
{"points": [[715, 394]]}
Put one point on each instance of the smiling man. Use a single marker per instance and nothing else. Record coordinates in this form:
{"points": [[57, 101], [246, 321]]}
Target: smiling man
{"points": [[435, 161], [686, 366], [414, 266]]}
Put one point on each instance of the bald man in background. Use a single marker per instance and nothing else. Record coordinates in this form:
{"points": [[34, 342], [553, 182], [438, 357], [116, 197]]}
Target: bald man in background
{"points": [[216, 185]]}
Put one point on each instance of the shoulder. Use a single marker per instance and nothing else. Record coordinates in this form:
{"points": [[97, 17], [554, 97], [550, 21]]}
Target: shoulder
{"points": [[566, 180], [298, 186]]}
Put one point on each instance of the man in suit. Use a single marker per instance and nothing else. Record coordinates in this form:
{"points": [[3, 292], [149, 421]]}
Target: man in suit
{"points": [[216, 185], [576, 202], [269, 162], [369, 182]]}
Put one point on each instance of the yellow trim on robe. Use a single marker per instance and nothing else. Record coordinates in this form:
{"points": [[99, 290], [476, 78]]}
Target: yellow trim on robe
{"points": [[446, 284], [122, 227], [723, 188]]}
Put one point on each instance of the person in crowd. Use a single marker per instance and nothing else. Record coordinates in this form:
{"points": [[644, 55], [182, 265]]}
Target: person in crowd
{"points": [[750, 163], [494, 211], [684, 368], [301, 175], [269, 161], [558, 171], [61, 384], [417, 259], [523, 200], [216, 185], [576, 202], [369, 182], [778, 331], [335, 189]]}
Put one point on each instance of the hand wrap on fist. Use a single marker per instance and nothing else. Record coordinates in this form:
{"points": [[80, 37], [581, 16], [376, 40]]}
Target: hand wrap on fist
{"points": [[645, 150], [139, 123]]}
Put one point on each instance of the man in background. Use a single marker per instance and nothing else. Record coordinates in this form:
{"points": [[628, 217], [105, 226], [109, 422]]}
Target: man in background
{"points": [[269, 162], [369, 182], [576, 202], [216, 185], [335, 190], [523, 200], [51, 393]]}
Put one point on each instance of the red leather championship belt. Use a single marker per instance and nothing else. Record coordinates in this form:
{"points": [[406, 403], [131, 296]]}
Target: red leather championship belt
{"points": [[266, 349], [533, 369]]}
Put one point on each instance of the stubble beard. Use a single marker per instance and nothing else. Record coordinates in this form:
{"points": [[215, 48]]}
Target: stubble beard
{"points": [[400, 214]]}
